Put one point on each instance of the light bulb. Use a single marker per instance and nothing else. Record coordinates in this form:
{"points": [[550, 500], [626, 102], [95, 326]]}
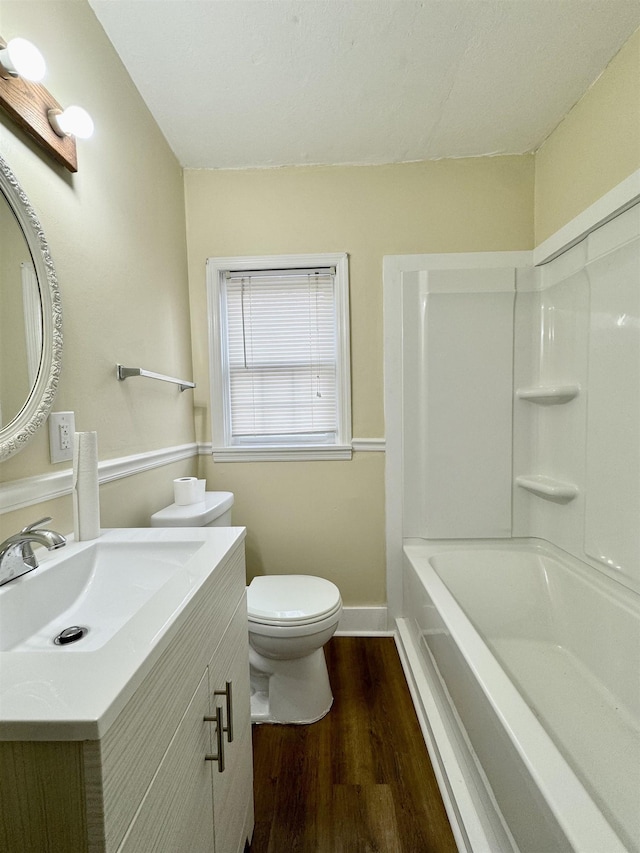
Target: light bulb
{"points": [[23, 59], [74, 121]]}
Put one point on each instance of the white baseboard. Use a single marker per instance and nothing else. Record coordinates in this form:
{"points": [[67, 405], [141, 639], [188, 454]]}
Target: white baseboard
{"points": [[364, 622]]}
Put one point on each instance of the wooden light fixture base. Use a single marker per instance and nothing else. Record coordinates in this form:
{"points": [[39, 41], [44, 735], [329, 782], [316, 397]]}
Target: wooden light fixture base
{"points": [[28, 105]]}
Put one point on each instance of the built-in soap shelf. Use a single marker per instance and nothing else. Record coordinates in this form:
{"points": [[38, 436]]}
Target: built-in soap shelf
{"points": [[548, 487], [548, 395]]}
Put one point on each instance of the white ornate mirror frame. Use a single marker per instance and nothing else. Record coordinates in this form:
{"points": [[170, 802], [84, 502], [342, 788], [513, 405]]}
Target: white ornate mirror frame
{"points": [[36, 408]]}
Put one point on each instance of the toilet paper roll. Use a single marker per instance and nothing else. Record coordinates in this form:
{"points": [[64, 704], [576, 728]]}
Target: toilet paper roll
{"points": [[85, 490], [188, 490]]}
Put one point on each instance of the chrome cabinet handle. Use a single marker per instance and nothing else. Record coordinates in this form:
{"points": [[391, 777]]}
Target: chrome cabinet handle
{"points": [[219, 739], [228, 692]]}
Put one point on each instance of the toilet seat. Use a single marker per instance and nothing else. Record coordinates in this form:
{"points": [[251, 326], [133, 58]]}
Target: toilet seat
{"points": [[292, 600]]}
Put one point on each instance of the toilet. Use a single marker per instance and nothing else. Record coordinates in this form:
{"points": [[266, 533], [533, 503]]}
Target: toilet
{"points": [[290, 617]]}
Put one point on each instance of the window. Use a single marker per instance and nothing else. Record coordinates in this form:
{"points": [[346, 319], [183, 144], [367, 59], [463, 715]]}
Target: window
{"points": [[279, 342]]}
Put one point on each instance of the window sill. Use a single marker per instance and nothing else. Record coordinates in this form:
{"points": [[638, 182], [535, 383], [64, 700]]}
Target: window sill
{"points": [[281, 454]]}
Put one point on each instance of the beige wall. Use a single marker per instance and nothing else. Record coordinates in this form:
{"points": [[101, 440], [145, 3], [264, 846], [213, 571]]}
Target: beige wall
{"points": [[116, 231], [327, 518], [594, 148]]}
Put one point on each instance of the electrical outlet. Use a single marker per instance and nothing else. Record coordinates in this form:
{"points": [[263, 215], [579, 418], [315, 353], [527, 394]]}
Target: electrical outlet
{"points": [[62, 426]]}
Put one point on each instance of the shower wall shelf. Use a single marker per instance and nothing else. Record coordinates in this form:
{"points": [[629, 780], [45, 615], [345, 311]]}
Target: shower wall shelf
{"points": [[548, 487], [548, 395], [125, 372]]}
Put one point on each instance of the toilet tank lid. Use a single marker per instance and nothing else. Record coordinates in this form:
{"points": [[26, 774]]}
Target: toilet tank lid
{"points": [[194, 515]]}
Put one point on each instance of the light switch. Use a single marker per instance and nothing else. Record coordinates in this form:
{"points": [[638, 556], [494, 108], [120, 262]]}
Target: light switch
{"points": [[62, 426]]}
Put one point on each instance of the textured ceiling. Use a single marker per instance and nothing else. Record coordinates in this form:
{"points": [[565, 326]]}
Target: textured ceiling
{"points": [[242, 83]]}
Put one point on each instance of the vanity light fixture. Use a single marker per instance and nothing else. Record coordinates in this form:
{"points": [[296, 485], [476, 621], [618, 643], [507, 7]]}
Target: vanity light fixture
{"points": [[74, 121], [21, 58], [34, 109]]}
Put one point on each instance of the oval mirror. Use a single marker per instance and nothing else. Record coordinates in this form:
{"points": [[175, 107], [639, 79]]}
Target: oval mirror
{"points": [[30, 319]]}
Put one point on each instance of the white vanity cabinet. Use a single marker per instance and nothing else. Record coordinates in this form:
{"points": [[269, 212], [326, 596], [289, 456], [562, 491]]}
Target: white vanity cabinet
{"points": [[150, 784]]}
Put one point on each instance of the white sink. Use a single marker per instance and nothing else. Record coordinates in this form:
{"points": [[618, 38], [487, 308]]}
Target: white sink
{"points": [[133, 589], [100, 588]]}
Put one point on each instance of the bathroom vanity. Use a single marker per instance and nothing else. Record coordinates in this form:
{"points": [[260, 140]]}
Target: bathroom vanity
{"points": [[141, 741]]}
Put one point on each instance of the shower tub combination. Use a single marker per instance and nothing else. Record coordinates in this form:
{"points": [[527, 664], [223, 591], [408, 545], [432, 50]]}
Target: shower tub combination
{"points": [[529, 707]]}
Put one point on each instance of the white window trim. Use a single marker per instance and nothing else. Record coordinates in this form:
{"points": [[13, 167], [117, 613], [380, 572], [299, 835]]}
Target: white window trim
{"points": [[220, 419]]}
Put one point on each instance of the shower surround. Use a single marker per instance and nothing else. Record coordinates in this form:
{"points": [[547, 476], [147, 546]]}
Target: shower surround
{"points": [[513, 416]]}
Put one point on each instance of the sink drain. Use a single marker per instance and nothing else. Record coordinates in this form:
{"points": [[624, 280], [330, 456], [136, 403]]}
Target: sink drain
{"points": [[70, 635]]}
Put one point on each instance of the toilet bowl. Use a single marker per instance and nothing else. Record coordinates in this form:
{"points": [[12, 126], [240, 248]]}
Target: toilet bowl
{"points": [[291, 617]]}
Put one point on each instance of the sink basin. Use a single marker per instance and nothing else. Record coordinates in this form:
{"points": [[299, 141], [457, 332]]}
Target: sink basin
{"points": [[133, 590], [100, 588]]}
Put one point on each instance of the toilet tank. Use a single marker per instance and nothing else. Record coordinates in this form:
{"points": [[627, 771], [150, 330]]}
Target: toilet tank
{"points": [[213, 511]]}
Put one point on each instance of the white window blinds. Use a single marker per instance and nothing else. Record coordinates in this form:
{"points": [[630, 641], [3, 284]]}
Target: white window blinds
{"points": [[281, 355]]}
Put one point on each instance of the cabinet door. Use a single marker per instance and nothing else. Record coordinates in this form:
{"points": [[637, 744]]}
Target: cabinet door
{"points": [[134, 746], [176, 814], [233, 788]]}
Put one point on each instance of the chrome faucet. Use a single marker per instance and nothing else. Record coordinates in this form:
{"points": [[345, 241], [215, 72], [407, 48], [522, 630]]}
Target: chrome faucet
{"points": [[16, 554]]}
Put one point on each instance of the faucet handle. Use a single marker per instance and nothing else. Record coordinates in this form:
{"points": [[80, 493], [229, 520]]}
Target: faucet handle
{"points": [[26, 548], [34, 525]]}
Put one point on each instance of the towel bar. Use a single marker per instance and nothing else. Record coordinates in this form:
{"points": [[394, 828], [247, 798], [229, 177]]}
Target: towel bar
{"points": [[124, 372]]}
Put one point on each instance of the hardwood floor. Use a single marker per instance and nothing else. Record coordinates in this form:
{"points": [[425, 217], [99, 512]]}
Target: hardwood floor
{"points": [[359, 780]]}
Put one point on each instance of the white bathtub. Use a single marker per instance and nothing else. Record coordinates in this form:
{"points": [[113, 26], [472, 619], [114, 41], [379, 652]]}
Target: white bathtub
{"points": [[525, 669]]}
